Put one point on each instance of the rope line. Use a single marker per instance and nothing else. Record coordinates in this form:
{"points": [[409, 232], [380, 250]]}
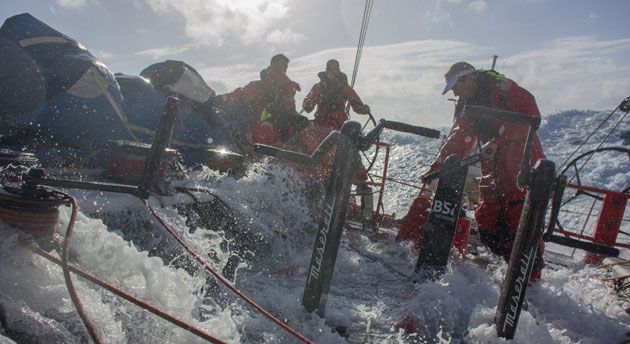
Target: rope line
{"points": [[128, 297], [223, 280], [66, 273], [605, 266], [615, 278], [67, 268]]}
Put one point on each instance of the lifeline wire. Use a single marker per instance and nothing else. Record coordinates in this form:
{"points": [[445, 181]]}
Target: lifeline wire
{"points": [[591, 134], [600, 144]]}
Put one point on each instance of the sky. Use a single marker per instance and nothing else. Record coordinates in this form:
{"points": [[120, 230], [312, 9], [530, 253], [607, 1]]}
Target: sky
{"points": [[570, 54]]}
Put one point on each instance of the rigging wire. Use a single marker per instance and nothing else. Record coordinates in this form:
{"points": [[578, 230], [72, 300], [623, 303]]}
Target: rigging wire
{"points": [[623, 106], [357, 58], [620, 106], [600, 144], [367, 10], [364, 25]]}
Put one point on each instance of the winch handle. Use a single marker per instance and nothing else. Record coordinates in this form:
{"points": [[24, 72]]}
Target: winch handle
{"points": [[487, 113], [585, 245], [329, 142], [430, 177], [366, 141], [283, 154], [487, 152], [37, 176], [161, 141], [412, 129]]}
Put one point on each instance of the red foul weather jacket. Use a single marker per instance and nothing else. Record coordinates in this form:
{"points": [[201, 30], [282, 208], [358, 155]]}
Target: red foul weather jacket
{"points": [[330, 97], [272, 100], [499, 199]]}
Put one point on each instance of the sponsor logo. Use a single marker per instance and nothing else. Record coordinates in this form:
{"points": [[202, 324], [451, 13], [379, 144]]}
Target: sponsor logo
{"points": [[444, 210], [525, 260], [320, 243]]}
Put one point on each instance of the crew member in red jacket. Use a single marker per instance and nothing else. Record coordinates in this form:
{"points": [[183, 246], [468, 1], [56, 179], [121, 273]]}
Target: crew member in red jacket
{"points": [[330, 95], [272, 102], [500, 200]]}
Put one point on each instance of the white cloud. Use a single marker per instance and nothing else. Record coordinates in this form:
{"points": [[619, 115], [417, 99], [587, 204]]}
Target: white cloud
{"points": [[73, 4], [227, 79], [283, 37], [404, 81], [161, 53], [102, 54], [436, 16], [213, 22], [574, 72], [478, 5]]}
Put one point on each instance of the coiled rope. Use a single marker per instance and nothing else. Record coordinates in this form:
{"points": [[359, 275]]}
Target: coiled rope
{"points": [[45, 220]]}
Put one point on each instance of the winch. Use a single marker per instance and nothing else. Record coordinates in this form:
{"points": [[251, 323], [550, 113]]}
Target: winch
{"points": [[11, 157], [34, 210]]}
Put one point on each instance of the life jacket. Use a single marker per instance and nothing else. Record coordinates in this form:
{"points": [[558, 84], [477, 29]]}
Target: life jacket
{"points": [[277, 103], [488, 83], [331, 98]]}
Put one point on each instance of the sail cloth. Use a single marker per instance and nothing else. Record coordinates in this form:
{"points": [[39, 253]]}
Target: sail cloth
{"points": [[56, 99], [202, 124], [61, 103]]}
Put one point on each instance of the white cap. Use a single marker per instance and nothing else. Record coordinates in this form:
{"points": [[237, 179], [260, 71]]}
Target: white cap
{"points": [[456, 71]]}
